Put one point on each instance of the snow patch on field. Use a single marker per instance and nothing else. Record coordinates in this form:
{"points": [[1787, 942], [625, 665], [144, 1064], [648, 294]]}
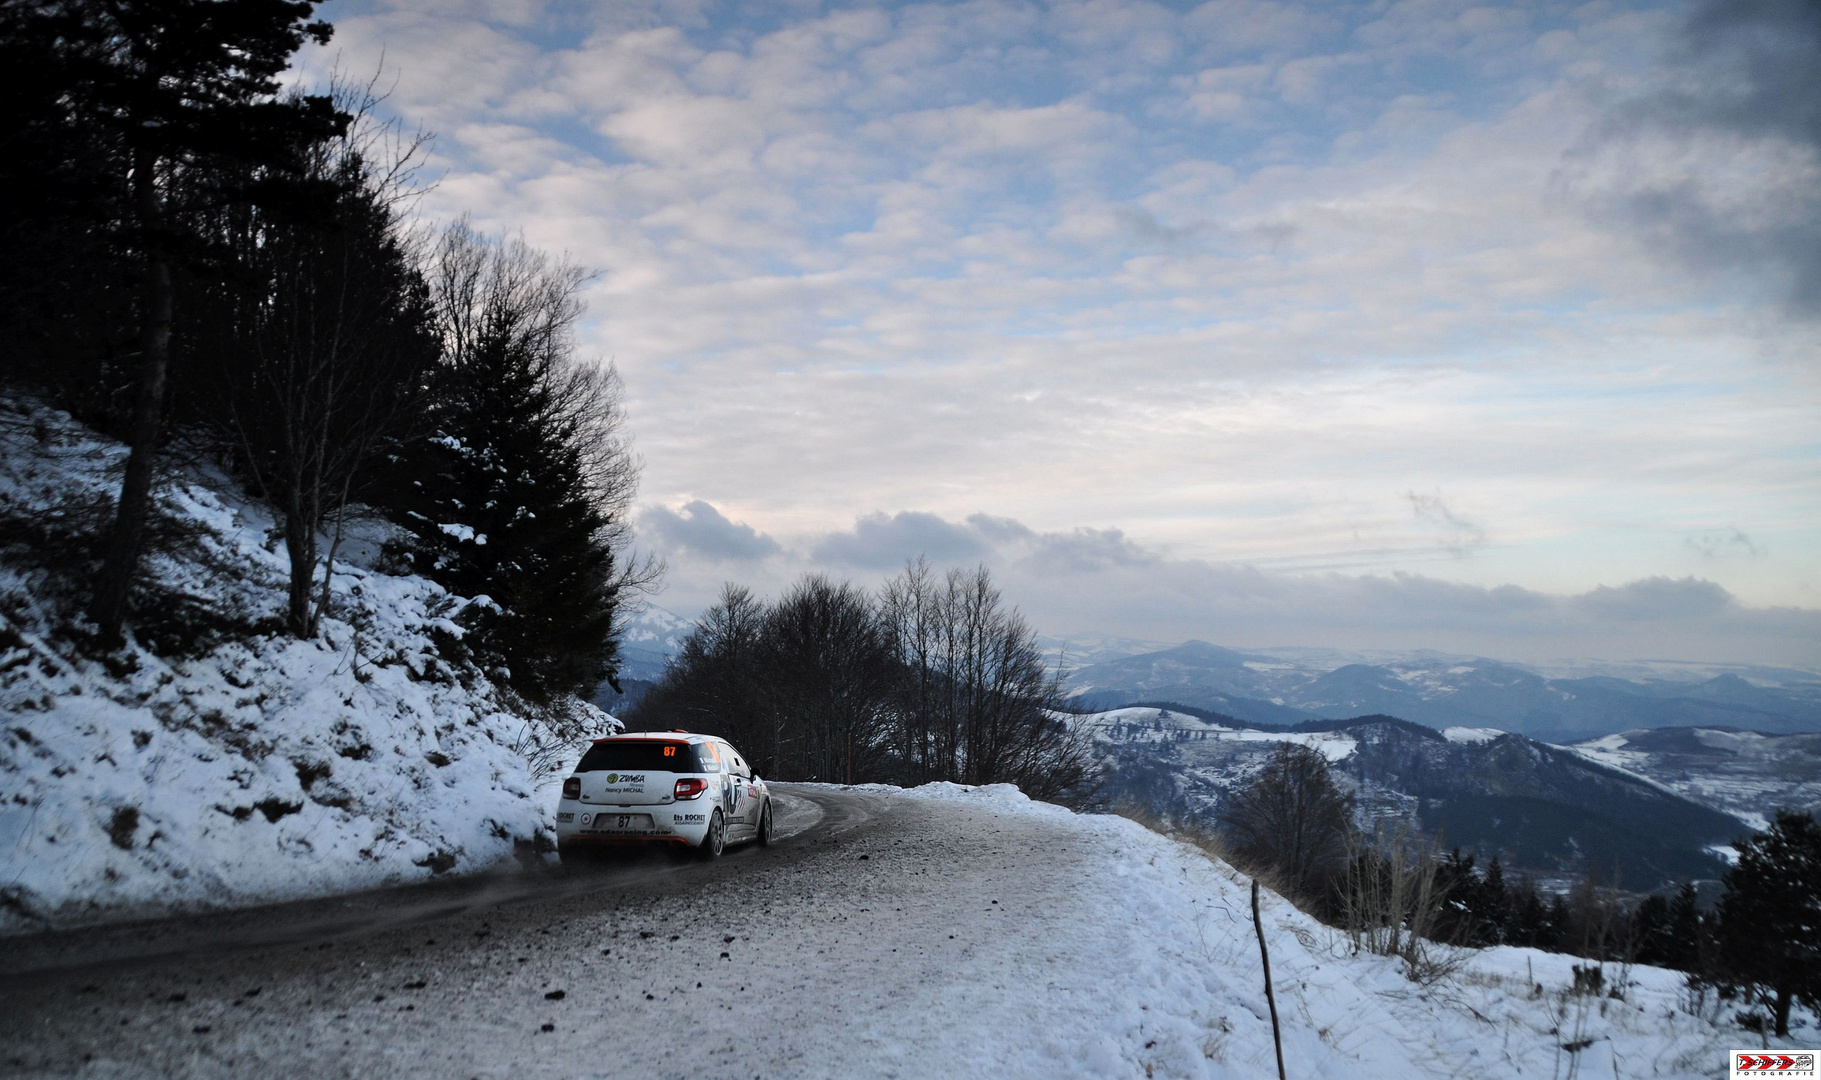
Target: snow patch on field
{"points": [[1471, 735], [1725, 851], [1166, 725], [250, 771]]}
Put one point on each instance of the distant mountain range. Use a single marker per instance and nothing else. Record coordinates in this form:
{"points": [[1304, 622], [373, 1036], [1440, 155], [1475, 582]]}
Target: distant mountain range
{"points": [[1288, 686], [650, 639], [1549, 810]]}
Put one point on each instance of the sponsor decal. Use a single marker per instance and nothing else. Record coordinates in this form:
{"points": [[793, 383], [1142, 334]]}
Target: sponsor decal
{"points": [[565, 817], [687, 819], [1746, 1063]]}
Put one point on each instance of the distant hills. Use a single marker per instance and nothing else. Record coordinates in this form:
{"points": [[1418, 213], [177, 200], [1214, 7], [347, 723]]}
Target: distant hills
{"points": [[1744, 773], [1550, 810], [1287, 686]]}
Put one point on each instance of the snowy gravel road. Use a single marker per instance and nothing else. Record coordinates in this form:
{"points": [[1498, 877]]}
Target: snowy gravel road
{"points": [[853, 942], [328, 919]]}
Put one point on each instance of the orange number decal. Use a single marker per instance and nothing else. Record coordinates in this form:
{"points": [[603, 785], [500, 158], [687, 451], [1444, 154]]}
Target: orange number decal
{"points": [[670, 751]]}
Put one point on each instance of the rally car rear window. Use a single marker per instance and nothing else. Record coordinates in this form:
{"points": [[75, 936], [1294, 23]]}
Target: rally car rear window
{"points": [[641, 755]]}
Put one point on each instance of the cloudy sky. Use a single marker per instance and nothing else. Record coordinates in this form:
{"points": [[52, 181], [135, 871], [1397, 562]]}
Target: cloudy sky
{"points": [[1402, 324]]}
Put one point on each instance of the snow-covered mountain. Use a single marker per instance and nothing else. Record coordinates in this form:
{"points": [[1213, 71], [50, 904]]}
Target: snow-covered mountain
{"points": [[1566, 703], [1542, 808], [652, 636]]}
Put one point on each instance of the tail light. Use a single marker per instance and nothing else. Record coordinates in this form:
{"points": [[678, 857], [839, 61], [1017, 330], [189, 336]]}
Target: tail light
{"points": [[690, 788], [572, 788]]}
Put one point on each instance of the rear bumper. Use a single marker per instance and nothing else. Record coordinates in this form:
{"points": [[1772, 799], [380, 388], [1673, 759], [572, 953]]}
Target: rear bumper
{"points": [[600, 840], [671, 823]]}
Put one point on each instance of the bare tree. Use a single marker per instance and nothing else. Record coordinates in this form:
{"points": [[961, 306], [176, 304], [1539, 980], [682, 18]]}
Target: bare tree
{"points": [[716, 684], [912, 615], [829, 676], [312, 355], [975, 701], [1291, 820], [937, 680]]}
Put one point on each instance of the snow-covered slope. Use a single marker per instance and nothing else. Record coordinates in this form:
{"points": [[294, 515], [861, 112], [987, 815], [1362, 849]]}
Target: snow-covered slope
{"points": [[1744, 773], [651, 638], [234, 764], [1146, 964]]}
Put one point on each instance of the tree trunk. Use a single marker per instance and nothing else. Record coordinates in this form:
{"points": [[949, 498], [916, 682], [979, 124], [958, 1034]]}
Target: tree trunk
{"points": [[300, 545], [122, 564], [1782, 1007]]}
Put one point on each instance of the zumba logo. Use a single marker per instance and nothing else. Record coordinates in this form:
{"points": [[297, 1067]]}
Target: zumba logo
{"points": [[1771, 1064]]}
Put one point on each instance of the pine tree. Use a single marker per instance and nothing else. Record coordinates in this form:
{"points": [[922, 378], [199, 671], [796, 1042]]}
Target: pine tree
{"points": [[1554, 935], [65, 293], [1497, 912], [515, 492], [1688, 933], [1770, 914], [1649, 931], [1529, 923]]}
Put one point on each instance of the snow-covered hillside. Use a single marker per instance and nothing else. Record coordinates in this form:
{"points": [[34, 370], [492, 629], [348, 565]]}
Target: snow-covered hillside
{"points": [[651, 638], [1543, 808], [234, 764], [1745, 773]]}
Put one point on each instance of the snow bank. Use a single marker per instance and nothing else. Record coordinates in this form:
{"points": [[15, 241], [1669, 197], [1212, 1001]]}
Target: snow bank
{"points": [[246, 771], [1151, 969]]}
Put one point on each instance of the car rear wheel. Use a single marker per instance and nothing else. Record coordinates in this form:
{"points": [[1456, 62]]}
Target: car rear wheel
{"points": [[765, 825], [715, 841]]}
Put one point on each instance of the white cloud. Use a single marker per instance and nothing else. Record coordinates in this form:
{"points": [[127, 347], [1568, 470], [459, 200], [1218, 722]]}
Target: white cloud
{"points": [[881, 541], [1229, 283], [1099, 581], [699, 529]]}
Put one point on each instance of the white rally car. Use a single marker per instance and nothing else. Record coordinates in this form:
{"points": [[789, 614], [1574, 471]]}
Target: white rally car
{"points": [[694, 793]]}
